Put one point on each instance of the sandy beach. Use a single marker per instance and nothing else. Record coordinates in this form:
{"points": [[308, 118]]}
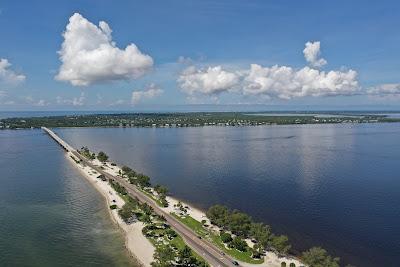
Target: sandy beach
{"points": [[137, 244]]}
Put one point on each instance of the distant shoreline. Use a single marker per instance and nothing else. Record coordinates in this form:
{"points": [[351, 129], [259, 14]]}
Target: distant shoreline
{"points": [[195, 119]]}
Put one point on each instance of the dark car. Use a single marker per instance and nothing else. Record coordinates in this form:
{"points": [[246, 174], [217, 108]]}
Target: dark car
{"points": [[235, 263]]}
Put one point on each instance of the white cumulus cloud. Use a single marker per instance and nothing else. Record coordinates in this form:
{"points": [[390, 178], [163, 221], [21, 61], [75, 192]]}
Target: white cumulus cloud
{"points": [[282, 82], [285, 82], [151, 91], [389, 89], [89, 55], [209, 81], [7, 75], [312, 53]]}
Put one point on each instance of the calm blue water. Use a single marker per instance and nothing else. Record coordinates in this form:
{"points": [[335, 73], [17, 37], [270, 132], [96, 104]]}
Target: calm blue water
{"points": [[49, 214], [337, 186]]}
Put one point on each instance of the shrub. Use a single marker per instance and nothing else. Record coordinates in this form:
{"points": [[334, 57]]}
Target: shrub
{"points": [[225, 237], [239, 244], [102, 156], [283, 264], [113, 207]]}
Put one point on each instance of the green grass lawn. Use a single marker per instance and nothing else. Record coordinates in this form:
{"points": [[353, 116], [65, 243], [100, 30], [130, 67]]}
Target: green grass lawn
{"points": [[199, 229]]}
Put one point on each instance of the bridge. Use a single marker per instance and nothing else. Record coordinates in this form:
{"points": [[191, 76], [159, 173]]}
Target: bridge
{"points": [[211, 253]]}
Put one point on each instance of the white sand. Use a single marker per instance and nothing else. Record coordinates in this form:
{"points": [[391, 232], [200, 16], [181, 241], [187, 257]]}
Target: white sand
{"points": [[137, 244]]}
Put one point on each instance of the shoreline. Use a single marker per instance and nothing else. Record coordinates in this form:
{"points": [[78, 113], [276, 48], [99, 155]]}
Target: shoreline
{"points": [[136, 244]]}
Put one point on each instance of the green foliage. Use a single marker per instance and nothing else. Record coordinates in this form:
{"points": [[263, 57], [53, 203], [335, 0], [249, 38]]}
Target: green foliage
{"points": [[239, 244], [126, 169], [126, 211], [163, 201], [160, 189], [261, 233], [86, 153], [163, 256], [146, 209], [162, 192], [218, 215], [318, 257], [186, 258], [283, 264], [133, 201], [178, 119], [226, 237], [280, 243], [117, 187], [142, 180], [171, 233], [145, 218], [239, 223], [102, 157], [292, 264], [113, 207]]}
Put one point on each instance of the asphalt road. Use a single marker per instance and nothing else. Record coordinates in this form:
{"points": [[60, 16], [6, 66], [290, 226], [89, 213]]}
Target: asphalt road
{"points": [[212, 254]]}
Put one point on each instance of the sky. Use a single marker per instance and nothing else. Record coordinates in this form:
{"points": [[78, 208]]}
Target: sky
{"points": [[166, 55]]}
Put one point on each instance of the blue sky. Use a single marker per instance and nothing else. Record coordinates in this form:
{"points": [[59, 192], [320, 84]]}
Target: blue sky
{"points": [[198, 52]]}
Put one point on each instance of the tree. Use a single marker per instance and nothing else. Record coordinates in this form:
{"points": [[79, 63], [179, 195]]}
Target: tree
{"points": [[239, 244], [318, 257], [239, 223], [258, 249], [226, 237], [102, 157], [171, 233], [143, 180], [125, 212], [146, 209], [145, 218], [126, 169], [280, 243], [218, 215], [261, 233], [186, 257], [163, 256], [160, 189], [86, 153]]}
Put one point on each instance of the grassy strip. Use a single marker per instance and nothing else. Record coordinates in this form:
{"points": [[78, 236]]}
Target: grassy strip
{"points": [[152, 197], [199, 229]]}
